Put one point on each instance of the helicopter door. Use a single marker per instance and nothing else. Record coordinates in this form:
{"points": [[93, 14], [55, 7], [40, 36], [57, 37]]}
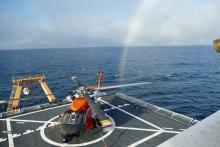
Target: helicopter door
{"points": [[88, 120]]}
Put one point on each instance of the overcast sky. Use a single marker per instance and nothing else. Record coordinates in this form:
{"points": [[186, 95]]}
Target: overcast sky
{"points": [[79, 23]]}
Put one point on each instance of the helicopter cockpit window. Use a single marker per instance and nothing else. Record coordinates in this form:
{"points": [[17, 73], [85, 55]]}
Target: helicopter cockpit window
{"points": [[73, 118]]}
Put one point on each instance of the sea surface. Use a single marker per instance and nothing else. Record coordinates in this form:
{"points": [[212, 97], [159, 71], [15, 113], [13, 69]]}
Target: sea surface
{"points": [[185, 79]]}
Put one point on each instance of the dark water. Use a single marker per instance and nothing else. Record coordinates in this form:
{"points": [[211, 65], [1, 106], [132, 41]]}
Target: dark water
{"points": [[185, 79]]}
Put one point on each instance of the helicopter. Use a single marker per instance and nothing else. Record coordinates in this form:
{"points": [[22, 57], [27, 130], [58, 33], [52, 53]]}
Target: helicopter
{"points": [[84, 111]]}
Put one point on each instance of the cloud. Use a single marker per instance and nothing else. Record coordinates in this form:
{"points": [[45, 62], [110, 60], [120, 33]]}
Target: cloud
{"points": [[176, 23], [66, 25], [65, 31]]}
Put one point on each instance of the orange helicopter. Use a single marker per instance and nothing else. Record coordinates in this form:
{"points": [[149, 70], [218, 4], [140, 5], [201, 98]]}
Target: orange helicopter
{"points": [[84, 112]]}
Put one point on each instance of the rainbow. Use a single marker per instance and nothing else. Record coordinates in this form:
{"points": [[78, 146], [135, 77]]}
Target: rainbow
{"points": [[133, 30]]}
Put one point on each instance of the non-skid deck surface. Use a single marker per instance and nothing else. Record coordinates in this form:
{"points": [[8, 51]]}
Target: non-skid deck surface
{"points": [[134, 126]]}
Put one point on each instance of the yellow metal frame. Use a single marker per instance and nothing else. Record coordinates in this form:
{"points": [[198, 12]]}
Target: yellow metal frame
{"points": [[18, 82]]}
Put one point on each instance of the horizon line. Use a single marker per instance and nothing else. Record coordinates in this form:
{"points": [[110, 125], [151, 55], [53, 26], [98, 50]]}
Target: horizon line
{"points": [[81, 47]]}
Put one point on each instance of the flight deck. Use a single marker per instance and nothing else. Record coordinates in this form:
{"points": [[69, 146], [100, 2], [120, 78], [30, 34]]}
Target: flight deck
{"points": [[135, 123]]}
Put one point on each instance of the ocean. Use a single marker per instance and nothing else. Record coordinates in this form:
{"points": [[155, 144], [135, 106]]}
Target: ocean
{"points": [[185, 79]]}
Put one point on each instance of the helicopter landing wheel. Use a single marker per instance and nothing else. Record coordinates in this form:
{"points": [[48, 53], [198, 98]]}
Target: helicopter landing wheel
{"points": [[65, 140]]}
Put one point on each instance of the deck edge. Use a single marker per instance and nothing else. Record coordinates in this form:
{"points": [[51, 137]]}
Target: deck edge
{"points": [[159, 110], [30, 109]]}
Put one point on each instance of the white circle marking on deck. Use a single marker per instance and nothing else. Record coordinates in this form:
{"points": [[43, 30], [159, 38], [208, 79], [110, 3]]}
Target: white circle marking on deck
{"points": [[44, 137]]}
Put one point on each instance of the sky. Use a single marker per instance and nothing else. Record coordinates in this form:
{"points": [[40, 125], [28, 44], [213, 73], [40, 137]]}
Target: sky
{"points": [[80, 23]]}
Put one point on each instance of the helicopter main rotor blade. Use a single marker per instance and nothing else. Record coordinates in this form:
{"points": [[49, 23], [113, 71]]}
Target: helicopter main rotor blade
{"points": [[123, 85], [76, 80]]}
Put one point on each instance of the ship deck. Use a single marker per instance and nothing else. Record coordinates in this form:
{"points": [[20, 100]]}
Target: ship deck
{"points": [[136, 123]]}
